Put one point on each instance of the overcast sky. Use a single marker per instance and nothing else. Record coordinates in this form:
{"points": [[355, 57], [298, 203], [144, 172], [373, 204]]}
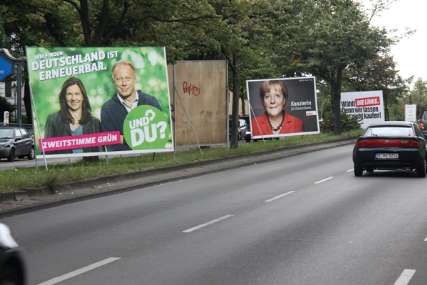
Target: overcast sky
{"points": [[410, 53]]}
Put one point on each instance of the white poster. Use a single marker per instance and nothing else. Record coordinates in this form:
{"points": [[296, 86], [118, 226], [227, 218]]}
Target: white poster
{"points": [[410, 112], [366, 106]]}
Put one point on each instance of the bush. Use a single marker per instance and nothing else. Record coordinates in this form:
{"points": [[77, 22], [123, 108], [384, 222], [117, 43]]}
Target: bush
{"points": [[347, 123]]}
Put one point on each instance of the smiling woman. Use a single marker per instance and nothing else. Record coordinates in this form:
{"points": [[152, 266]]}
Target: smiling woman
{"points": [[74, 116], [274, 97]]}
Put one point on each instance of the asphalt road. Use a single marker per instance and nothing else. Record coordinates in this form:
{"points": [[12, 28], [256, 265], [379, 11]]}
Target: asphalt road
{"points": [[297, 221]]}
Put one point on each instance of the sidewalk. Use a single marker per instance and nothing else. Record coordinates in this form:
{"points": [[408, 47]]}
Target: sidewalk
{"points": [[23, 201]]}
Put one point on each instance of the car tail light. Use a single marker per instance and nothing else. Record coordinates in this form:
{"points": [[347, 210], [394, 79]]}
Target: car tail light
{"points": [[371, 143], [421, 125], [410, 143]]}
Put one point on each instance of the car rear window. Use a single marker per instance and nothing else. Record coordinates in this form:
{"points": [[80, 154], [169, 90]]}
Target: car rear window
{"points": [[392, 131], [6, 133], [424, 117]]}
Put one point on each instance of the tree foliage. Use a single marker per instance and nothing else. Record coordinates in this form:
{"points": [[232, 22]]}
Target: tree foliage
{"points": [[418, 95], [331, 39]]}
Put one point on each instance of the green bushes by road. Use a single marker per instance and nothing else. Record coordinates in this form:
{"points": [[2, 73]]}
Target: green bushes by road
{"points": [[24, 178]]}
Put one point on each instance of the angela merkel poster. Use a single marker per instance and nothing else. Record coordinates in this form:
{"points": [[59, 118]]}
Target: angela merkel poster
{"points": [[283, 107]]}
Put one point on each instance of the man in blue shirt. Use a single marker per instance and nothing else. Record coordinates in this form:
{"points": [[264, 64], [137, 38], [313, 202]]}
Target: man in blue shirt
{"points": [[115, 110]]}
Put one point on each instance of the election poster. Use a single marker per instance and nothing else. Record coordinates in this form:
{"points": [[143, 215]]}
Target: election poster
{"points": [[283, 107], [366, 106], [100, 101], [410, 112]]}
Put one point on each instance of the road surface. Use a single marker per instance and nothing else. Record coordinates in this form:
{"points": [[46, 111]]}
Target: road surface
{"points": [[303, 220]]}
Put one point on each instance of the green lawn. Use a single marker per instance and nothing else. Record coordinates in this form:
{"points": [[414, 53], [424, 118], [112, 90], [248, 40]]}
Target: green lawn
{"points": [[22, 178]]}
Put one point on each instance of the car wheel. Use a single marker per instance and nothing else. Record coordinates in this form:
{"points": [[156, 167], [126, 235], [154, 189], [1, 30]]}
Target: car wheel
{"points": [[358, 170], [421, 169], [11, 156], [31, 154]]}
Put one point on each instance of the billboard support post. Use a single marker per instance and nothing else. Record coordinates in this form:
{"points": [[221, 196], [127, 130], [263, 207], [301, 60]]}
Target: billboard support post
{"points": [[18, 93]]}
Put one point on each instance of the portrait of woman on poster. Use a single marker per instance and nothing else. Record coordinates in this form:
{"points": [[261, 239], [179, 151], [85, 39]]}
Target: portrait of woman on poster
{"points": [[74, 116], [275, 120]]}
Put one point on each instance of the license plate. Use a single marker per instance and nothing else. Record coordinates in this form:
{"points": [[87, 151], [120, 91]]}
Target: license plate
{"points": [[386, 156]]}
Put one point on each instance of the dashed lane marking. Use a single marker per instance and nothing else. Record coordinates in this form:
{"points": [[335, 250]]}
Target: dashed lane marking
{"points": [[80, 271], [405, 277], [279, 196], [324, 180], [207, 224]]}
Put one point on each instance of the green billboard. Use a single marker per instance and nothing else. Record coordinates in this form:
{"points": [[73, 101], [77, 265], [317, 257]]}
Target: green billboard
{"points": [[100, 100]]}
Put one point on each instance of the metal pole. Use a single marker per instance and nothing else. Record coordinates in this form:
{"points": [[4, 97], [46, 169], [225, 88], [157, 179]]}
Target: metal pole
{"points": [[18, 93]]}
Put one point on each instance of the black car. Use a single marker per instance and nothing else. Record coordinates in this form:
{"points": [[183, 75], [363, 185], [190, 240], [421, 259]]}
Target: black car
{"points": [[16, 142], [390, 145], [12, 266], [244, 129]]}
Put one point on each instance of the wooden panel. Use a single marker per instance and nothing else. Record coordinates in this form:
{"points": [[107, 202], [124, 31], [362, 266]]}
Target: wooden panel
{"points": [[200, 102]]}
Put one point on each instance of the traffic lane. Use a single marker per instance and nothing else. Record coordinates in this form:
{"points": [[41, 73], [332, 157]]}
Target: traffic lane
{"points": [[246, 183], [49, 234], [298, 240], [130, 238], [101, 283], [306, 240]]}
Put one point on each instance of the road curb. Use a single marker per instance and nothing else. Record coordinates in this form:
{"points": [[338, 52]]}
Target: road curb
{"points": [[33, 199]]}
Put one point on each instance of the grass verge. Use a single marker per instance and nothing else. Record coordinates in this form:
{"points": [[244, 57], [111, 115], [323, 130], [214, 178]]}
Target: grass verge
{"points": [[24, 178]]}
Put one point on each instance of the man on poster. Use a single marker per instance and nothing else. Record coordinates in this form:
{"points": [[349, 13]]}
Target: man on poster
{"points": [[115, 110]]}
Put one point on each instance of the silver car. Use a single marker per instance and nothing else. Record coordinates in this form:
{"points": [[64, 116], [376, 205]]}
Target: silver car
{"points": [[16, 142]]}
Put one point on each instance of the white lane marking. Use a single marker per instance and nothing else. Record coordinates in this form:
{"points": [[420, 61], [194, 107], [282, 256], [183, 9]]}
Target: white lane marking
{"points": [[207, 224], [425, 239], [80, 271], [405, 277], [279, 196], [350, 170], [324, 180]]}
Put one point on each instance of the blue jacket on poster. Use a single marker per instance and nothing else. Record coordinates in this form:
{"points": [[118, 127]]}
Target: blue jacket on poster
{"points": [[113, 115]]}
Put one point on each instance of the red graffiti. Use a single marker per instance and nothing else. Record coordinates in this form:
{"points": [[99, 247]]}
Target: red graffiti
{"points": [[190, 89]]}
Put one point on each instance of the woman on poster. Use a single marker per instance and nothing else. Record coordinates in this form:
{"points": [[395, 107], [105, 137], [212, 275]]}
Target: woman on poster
{"points": [[74, 116], [275, 120]]}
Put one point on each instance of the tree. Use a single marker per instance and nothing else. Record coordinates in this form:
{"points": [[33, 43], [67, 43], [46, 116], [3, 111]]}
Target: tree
{"points": [[379, 73], [236, 34], [418, 95], [326, 39], [330, 39], [341, 39]]}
